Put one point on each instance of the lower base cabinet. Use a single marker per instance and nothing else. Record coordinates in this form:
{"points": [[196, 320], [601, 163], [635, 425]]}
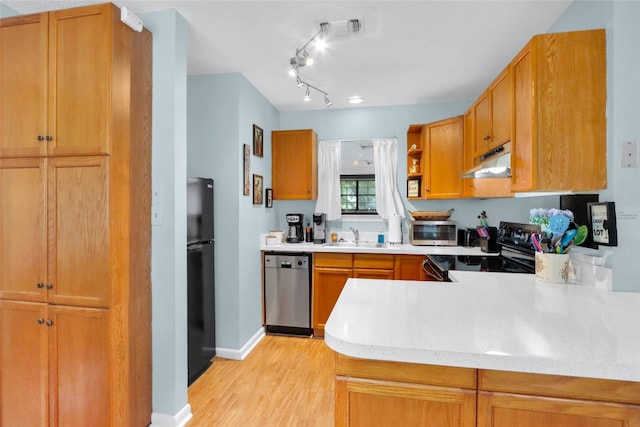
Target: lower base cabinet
{"points": [[514, 410], [382, 393]]}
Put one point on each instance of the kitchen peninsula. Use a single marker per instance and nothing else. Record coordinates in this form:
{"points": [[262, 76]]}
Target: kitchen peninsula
{"points": [[485, 350]]}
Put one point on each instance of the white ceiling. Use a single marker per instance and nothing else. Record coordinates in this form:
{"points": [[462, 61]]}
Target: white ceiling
{"points": [[409, 52]]}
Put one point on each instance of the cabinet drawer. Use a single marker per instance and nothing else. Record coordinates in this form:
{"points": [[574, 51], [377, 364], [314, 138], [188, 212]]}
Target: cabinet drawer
{"points": [[373, 261], [340, 260]]}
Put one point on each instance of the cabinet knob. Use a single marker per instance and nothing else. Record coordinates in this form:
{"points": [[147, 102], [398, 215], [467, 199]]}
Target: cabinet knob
{"points": [[39, 285], [40, 138], [49, 138], [49, 323], [486, 138], [40, 321], [48, 286]]}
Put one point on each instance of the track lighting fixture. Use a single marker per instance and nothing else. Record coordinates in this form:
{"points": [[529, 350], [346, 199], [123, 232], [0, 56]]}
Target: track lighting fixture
{"points": [[302, 57]]}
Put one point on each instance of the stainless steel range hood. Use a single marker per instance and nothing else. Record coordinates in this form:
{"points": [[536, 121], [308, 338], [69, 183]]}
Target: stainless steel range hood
{"points": [[493, 164]]}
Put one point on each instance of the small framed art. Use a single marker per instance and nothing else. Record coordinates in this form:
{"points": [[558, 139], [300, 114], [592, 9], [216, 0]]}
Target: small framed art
{"points": [[602, 219], [246, 150], [413, 188], [257, 141], [268, 197], [257, 189]]}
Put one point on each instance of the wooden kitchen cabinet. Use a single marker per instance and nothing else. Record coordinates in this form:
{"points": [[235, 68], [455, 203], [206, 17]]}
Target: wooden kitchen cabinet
{"points": [[74, 343], [330, 274], [392, 394], [64, 88], [75, 222], [526, 400], [560, 122], [373, 266], [493, 112], [409, 267], [440, 157], [294, 164]]}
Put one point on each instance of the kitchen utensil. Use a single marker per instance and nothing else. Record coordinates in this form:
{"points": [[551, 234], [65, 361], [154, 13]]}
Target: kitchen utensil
{"points": [[431, 215], [535, 240], [558, 224], [581, 235], [567, 237], [545, 244]]}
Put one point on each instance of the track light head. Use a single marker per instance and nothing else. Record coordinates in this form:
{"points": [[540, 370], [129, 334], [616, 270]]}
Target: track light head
{"points": [[308, 60], [307, 96], [299, 82], [327, 101]]}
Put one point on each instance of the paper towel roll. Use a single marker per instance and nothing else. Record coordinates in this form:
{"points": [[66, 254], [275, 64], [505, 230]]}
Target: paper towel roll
{"points": [[395, 229]]}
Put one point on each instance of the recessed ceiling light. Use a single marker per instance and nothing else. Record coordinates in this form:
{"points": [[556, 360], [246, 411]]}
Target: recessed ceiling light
{"points": [[355, 99]]}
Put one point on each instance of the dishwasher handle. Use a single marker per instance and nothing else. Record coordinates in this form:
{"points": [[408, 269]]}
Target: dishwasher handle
{"points": [[285, 264]]}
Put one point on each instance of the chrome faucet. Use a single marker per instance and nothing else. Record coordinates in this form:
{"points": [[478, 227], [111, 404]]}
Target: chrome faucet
{"points": [[356, 235]]}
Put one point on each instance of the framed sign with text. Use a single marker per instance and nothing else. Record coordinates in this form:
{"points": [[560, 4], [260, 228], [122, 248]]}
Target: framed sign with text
{"points": [[602, 219]]}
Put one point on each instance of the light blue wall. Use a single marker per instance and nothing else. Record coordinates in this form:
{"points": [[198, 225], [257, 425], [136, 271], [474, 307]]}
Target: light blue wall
{"points": [[222, 110], [6, 11], [168, 242]]}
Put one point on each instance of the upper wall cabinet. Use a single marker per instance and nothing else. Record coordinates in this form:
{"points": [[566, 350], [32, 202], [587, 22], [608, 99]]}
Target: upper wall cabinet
{"points": [[560, 123], [493, 113], [63, 86], [435, 158], [294, 168]]}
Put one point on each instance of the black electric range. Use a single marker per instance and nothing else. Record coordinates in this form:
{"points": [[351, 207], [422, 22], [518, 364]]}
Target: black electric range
{"points": [[516, 255]]}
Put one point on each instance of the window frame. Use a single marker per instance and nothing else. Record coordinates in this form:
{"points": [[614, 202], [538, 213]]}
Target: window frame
{"points": [[357, 177]]}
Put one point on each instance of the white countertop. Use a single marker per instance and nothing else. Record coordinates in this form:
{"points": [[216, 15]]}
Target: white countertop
{"points": [[501, 321], [404, 249]]}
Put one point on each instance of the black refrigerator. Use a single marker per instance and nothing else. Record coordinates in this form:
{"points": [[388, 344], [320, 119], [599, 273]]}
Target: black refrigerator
{"points": [[200, 276]]}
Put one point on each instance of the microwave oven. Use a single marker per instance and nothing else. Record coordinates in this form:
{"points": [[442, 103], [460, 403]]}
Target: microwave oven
{"points": [[433, 233]]}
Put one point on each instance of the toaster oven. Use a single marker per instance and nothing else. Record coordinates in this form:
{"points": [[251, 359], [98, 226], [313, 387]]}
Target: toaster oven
{"points": [[433, 233]]}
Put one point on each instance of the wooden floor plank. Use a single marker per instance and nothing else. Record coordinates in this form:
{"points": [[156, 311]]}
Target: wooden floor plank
{"points": [[284, 381]]}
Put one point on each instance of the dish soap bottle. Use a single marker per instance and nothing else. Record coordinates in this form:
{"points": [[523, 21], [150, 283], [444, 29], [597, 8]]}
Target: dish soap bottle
{"points": [[308, 234], [380, 235]]}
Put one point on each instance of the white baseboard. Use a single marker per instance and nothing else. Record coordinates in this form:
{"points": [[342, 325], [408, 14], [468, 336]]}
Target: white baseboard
{"points": [[228, 353], [178, 420]]}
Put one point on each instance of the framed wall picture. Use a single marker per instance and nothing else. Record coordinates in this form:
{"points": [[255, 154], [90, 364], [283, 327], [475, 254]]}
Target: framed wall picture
{"points": [[413, 188], [602, 219], [257, 141], [268, 197], [246, 159], [257, 189]]}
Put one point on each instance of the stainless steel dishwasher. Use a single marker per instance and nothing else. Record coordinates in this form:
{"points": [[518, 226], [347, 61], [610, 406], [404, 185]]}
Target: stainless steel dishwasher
{"points": [[287, 293]]}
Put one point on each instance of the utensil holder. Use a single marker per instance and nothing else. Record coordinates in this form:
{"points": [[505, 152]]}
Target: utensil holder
{"points": [[490, 245], [554, 268]]}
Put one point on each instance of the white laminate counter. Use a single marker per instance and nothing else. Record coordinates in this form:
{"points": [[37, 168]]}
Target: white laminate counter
{"points": [[501, 321]]}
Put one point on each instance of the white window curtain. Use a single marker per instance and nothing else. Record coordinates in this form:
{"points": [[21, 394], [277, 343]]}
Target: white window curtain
{"points": [[385, 162], [329, 179]]}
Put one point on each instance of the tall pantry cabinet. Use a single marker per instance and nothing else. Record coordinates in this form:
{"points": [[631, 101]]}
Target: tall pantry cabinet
{"points": [[75, 186]]}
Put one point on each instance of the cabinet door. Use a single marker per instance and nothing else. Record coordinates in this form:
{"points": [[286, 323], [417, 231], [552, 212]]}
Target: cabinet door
{"points": [[79, 363], [80, 75], [23, 85], [446, 151], [23, 229], [501, 109], [23, 364], [512, 410], [371, 273], [469, 135], [361, 402], [482, 113], [78, 200], [327, 285], [522, 151], [409, 267], [294, 165]]}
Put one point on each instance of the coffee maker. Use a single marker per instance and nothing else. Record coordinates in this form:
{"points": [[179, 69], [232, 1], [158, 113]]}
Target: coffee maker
{"points": [[295, 233], [319, 228]]}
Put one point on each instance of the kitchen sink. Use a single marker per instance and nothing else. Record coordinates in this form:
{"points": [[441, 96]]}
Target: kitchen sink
{"points": [[356, 245]]}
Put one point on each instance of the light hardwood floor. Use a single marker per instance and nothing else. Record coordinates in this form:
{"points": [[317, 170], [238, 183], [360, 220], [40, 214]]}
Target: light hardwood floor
{"points": [[284, 381]]}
